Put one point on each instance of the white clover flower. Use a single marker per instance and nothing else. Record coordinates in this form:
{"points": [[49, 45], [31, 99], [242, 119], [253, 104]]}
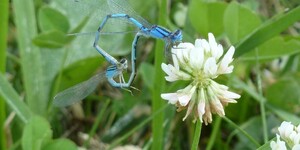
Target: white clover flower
{"points": [[285, 129], [278, 145], [200, 64], [289, 134]]}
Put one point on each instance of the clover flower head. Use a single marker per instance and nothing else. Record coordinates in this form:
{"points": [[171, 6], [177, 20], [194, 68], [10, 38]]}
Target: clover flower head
{"points": [[200, 64], [289, 134]]}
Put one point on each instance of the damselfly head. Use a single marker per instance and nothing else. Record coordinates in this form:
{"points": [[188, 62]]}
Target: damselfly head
{"points": [[123, 64], [176, 37]]}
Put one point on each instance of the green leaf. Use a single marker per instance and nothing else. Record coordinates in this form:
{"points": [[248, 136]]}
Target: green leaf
{"points": [[267, 30], [36, 134], [147, 72], [31, 62], [60, 144], [275, 48], [207, 17], [51, 19], [239, 21], [12, 98], [51, 39], [285, 93]]}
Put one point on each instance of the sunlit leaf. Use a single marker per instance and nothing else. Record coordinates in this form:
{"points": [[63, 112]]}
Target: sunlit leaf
{"points": [[51, 39], [36, 134], [275, 48], [285, 93], [267, 30], [239, 21], [31, 62], [207, 16], [51, 19], [60, 144]]}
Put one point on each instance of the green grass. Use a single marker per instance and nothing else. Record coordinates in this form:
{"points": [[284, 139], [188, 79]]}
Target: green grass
{"points": [[159, 84], [3, 46], [40, 61]]}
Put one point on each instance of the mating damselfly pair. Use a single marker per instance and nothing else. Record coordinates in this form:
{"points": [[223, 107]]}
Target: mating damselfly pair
{"points": [[116, 10]]}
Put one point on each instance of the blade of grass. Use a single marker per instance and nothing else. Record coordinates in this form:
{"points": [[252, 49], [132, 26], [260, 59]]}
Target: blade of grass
{"points": [[12, 98], [267, 30], [159, 83], [3, 46], [97, 122], [31, 61], [262, 104], [3, 33]]}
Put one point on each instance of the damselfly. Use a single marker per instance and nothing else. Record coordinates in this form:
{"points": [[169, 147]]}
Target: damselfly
{"points": [[121, 10]]}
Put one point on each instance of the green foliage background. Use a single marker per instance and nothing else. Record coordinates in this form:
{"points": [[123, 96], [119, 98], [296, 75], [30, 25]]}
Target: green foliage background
{"points": [[38, 59]]}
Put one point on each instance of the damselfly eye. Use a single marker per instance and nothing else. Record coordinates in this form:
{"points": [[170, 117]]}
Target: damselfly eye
{"points": [[177, 32], [177, 36]]}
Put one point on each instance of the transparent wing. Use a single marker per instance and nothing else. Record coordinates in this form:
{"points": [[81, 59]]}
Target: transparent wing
{"points": [[78, 92], [95, 10], [102, 33], [77, 10], [122, 6]]}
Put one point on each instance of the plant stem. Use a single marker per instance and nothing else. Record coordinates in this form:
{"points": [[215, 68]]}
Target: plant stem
{"points": [[261, 103], [197, 134], [3, 47], [159, 83]]}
